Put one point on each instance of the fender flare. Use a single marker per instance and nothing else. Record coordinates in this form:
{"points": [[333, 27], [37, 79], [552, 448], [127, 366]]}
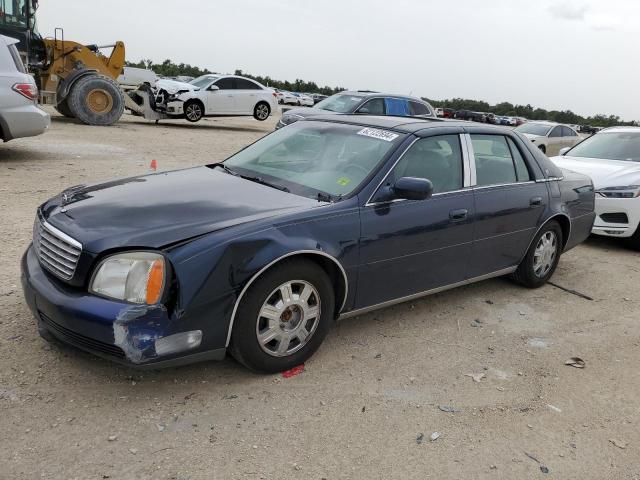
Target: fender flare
{"points": [[271, 264], [67, 83]]}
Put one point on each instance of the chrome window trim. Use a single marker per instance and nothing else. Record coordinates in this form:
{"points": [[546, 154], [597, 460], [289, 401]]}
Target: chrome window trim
{"points": [[388, 303], [514, 184], [464, 188], [473, 178], [269, 265]]}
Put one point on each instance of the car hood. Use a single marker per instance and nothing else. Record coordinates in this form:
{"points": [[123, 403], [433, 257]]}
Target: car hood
{"points": [[604, 173], [307, 112], [174, 86], [157, 210]]}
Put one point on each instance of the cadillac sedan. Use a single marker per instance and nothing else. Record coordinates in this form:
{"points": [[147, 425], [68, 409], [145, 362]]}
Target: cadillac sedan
{"points": [[327, 218]]}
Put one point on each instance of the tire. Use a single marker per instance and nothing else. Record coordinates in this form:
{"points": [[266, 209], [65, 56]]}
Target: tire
{"points": [[281, 347], [63, 109], [543, 149], [541, 261], [261, 111], [193, 111], [96, 100]]}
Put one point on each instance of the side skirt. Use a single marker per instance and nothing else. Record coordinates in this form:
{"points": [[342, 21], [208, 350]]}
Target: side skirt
{"points": [[362, 311]]}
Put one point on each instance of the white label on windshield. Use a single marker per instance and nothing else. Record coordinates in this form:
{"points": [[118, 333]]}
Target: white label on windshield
{"points": [[379, 134]]}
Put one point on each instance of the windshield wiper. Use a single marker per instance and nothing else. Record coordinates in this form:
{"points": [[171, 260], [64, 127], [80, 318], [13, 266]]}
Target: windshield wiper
{"points": [[327, 197], [259, 180], [227, 169]]}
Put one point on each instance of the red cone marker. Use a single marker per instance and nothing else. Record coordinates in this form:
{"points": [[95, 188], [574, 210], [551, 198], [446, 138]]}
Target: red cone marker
{"points": [[154, 165]]}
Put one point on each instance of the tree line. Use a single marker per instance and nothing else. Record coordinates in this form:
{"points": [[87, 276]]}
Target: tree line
{"points": [[170, 69]]}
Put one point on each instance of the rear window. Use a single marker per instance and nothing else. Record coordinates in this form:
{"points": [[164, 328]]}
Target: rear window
{"points": [[16, 59], [419, 109]]}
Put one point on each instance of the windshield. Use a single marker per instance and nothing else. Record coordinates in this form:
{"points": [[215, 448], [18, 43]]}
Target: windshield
{"points": [[340, 103], [309, 157], [534, 129], [203, 81], [612, 146]]}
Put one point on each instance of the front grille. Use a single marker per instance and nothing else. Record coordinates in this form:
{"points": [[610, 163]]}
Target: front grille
{"points": [[79, 340], [57, 251], [614, 217]]}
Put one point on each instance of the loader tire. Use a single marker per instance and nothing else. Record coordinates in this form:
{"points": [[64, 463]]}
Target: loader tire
{"points": [[96, 100], [63, 109]]}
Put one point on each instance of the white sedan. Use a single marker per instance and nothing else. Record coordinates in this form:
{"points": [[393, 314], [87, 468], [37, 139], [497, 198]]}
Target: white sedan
{"points": [[215, 96], [304, 100], [549, 137], [612, 159]]}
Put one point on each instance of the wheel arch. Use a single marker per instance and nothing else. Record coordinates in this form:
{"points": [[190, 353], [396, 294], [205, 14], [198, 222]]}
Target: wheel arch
{"points": [[69, 81], [565, 224], [327, 262], [197, 100]]}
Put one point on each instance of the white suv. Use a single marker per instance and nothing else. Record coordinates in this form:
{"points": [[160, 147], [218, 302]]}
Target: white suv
{"points": [[215, 96], [19, 113]]}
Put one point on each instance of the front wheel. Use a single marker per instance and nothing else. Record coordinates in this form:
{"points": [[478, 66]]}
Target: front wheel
{"points": [[262, 111], [193, 111], [542, 257], [283, 317], [96, 100]]}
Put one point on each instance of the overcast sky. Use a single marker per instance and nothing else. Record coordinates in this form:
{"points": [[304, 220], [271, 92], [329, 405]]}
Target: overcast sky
{"points": [[580, 55]]}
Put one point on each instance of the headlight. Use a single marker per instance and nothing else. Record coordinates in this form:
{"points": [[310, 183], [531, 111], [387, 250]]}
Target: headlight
{"points": [[631, 191], [288, 119], [137, 277]]}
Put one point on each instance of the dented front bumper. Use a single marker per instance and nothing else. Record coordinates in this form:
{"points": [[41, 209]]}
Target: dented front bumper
{"points": [[118, 331]]}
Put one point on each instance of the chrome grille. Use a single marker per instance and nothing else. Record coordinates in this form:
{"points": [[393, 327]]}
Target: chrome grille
{"points": [[57, 251]]}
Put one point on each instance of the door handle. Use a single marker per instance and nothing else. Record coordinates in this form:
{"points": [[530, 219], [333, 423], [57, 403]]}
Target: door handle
{"points": [[535, 201], [456, 215]]}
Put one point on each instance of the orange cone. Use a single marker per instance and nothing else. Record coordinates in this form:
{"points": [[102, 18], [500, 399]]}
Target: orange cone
{"points": [[154, 165]]}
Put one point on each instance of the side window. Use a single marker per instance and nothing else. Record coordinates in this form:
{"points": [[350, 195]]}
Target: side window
{"points": [[226, 84], [494, 165], [243, 84], [375, 106], [522, 172], [567, 132], [397, 106], [556, 132], [418, 109], [438, 159]]}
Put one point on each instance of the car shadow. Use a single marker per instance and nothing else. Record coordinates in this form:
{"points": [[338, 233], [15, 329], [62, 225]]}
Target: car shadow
{"points": [[21, 153], [609, 243]]}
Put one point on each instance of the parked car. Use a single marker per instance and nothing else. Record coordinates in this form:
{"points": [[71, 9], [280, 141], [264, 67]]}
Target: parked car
{"points": [[19, 113], [549, 137], [612, 159], [133, 77], [303, 100], [318, 97], [326, 218], [365, 103], [287, 98], [471, 116], [215, 96], [587, 129]]}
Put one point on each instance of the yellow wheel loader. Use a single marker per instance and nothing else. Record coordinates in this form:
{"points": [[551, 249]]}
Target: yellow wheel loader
{"points": [[78, 80]]}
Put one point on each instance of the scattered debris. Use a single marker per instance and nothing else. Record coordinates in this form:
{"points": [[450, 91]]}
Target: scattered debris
{"points": [[522, 313], [379, 355], [363, 409], [476, 376], [490, 302], [618, 443], [543, 468], [573, 292], [133, 451], [294, 371], [448, 409], [538, 342], [161, 427], [576, 362], [233, 396], [476, 323], [554, 408], [420, 438], [434, 436], [112, 438]]}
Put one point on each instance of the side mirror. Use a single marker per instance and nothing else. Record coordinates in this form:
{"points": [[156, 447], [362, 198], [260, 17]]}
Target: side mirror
{"points": [[213, 88], [563, 151], [408, 188]]}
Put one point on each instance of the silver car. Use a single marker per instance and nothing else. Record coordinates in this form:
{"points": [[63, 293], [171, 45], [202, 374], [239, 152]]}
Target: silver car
{"points": [[19, 113]]}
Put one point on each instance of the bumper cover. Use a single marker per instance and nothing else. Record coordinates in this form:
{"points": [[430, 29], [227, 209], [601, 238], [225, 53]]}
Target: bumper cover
{"points": [[628, 206], [113, 330], [24, 121]]}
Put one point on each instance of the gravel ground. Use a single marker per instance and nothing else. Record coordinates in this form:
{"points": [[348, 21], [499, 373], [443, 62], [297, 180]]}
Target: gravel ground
{"points": [[367, 403]]}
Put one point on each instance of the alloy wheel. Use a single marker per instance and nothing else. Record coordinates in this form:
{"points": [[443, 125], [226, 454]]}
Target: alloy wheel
{"points": [[262, 111], [545, 254]]}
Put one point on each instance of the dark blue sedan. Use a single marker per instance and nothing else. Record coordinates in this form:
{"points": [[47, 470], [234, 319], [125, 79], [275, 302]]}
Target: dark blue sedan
{"points": [[326, 218]]}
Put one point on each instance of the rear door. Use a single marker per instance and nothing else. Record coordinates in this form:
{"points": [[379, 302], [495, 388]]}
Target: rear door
{"points": [[509, 202], [246, 96], [569, 137], [556, 141], [222, 101]]}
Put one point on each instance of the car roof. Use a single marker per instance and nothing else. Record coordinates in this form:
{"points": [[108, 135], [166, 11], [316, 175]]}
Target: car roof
{"points": [[625, 129], [367, 94], [401, 124]]}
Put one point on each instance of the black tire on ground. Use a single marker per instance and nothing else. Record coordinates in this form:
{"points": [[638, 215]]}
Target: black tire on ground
{"points": [[96, 100], [634, 240], [245, 346], [193, 110], [526, 273], [262, 111], [543, 149], [63, 109]]}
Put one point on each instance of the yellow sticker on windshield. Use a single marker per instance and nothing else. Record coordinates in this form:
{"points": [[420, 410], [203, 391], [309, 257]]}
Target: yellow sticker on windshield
{"points": [[343, 181]]}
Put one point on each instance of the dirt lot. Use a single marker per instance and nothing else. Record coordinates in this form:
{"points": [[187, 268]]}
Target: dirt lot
{"points": [[362, 403]]}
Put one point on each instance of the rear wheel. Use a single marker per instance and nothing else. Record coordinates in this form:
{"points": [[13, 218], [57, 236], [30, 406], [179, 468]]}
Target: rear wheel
{"points": [[96, 100], [261, 111], [283, 317], [63, 109], [542, 257]]}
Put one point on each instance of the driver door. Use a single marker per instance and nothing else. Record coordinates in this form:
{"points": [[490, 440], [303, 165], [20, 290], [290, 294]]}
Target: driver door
{"points": [[412, 246], [222, 101]]}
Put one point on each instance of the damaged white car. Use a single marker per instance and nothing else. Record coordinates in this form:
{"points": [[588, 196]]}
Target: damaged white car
{"points": [[214, 96]]}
